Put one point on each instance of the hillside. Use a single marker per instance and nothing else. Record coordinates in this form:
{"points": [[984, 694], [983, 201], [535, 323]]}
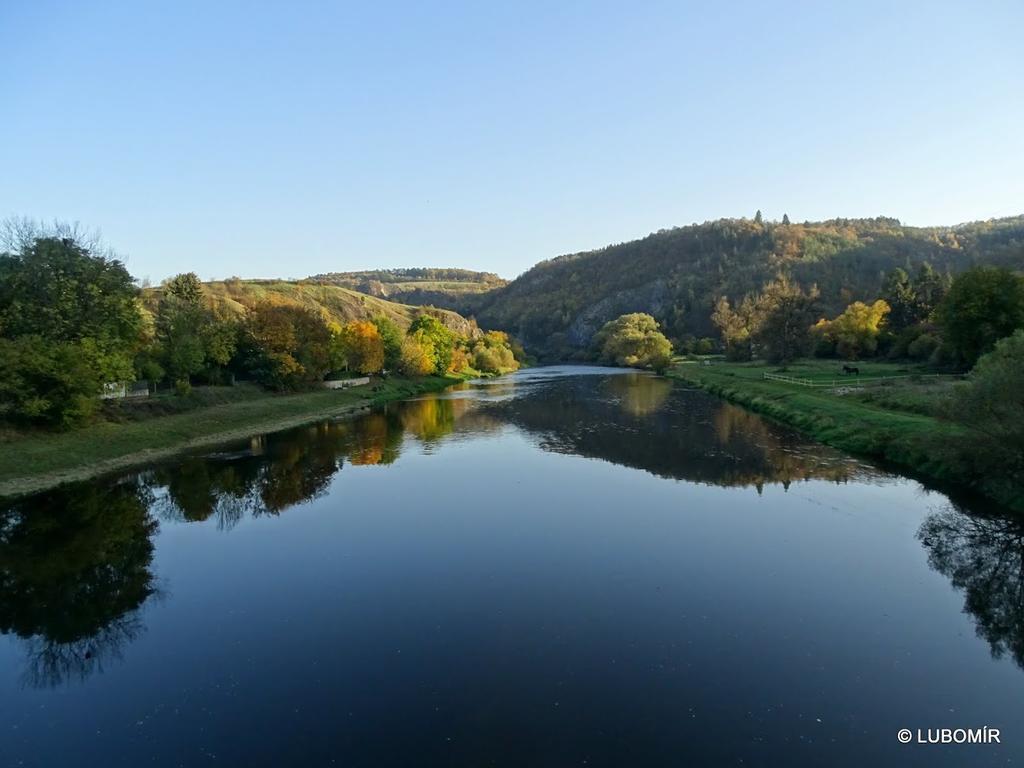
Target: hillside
{"points": [[456, 289], [337, 304], [677, 274]]}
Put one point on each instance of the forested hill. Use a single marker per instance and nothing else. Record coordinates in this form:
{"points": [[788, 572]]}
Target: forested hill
{"points": [[678, 274], [336, 304], [452, 288]]}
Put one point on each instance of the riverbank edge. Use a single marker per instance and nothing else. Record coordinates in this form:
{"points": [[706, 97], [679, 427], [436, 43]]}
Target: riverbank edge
{"points": [[917, 444], [191, 431]]}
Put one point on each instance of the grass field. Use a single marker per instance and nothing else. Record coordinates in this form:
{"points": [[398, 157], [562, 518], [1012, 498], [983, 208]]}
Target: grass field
{"points": [[897, 421], [37, 461]]}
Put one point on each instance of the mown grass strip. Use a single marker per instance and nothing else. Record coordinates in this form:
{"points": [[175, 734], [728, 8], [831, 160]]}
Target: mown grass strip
{"points": [[38, 461], [917, 442]]}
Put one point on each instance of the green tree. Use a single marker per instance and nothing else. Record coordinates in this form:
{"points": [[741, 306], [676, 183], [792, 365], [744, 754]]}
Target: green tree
{"points": [[56, 383], [391, 337], [179, 335], [436, 339], [930, 288], [901, 297], [58, 290], [984, 305], [990, 405], [634, 340], [191, 337], [704, 346], [70, 325], [492, 353], [185, 286]]}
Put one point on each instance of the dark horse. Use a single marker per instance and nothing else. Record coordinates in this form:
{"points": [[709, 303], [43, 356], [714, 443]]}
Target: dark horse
{"points": [[851, 369]]}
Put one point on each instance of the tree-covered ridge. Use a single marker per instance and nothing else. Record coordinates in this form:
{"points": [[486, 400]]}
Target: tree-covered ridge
{"points": [[335, 304], [678, 275]]}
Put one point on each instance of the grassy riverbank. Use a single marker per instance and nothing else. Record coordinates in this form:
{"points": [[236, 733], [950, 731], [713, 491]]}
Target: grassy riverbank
{"points": [[896, 420], [37, 461]]}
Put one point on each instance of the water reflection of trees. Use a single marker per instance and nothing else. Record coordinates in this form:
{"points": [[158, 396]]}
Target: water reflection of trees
{"points": [[984, 557], [272, 473], [639, 394], [632, 419], [431, 418], [74, 571], [648, 423]]}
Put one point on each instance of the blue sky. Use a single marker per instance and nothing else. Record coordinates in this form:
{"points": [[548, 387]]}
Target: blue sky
{"points": [[285, 139]]}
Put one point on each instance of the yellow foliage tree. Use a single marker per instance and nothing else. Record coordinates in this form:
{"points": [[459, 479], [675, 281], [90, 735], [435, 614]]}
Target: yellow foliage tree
{"points": [[361, 346], [415, 359], [855, 332]]}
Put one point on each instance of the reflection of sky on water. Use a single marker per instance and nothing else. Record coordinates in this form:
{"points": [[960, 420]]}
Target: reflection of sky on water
{"points": [[680, 575]]}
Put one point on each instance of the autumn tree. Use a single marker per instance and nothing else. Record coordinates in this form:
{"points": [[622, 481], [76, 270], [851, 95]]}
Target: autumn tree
{"points": [[736, 326], [492, 353], [436, 339], [415, 359], [855, 332], [634, 340], [361, 346], [784, 314], [774, 322], [289, 346]]}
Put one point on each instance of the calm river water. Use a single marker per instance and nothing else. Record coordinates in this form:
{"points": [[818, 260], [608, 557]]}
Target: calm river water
{"points": [[564, 567]]}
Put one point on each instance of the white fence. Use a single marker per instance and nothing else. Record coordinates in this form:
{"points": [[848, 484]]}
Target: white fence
{"points": [[117, 390], [853, 379], [346, 383]]}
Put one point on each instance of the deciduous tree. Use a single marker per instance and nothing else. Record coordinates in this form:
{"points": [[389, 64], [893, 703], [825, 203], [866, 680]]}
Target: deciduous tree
{"points": [[855, 332], [289, 346], [984, 305], [784, 315], [634, 340], [361, 346]]}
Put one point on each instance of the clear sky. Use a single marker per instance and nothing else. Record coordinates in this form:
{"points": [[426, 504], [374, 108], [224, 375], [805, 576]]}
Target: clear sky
{"points": [[290, 138]]}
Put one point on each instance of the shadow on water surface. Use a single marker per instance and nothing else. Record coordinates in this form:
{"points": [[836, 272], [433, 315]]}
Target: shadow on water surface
{"points": [[75, 563]]}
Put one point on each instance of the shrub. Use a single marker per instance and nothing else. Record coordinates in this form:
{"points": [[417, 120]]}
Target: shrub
{"points": [[923, 347]]}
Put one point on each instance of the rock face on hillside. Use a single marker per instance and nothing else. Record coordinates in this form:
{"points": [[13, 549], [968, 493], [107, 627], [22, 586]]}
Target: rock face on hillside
{"points": [[677, 275], [652, 298]]}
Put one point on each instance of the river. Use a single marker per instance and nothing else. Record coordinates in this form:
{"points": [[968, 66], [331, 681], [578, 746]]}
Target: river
{"points": [[562, 567]]}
